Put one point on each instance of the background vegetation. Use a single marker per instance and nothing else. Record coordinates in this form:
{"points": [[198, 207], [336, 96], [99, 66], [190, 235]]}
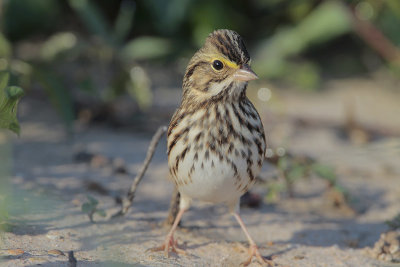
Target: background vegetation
{"points": [[85, 55]]}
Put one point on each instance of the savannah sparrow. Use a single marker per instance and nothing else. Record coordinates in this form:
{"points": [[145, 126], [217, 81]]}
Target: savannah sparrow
{"points": [[216, 141]]}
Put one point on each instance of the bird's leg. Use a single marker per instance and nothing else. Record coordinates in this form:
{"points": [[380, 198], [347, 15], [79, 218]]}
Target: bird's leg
{"points": [[169, 240], [173, 208], [253, 249]]}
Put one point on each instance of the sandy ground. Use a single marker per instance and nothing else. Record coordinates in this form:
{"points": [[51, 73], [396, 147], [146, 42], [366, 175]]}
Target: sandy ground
{"points": [[47, 188]]}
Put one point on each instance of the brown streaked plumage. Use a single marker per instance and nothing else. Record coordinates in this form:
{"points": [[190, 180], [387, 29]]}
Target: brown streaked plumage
{"points": [[216, 141]]}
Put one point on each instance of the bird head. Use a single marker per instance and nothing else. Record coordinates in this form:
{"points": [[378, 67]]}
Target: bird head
{"points": [[221, 68]]}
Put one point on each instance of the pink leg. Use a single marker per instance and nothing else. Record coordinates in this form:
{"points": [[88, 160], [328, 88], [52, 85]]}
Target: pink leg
{"points": [[253, 249], [169, 240]]}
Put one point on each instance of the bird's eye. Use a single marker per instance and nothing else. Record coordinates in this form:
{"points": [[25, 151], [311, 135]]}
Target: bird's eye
{"points": [[217, 64]]}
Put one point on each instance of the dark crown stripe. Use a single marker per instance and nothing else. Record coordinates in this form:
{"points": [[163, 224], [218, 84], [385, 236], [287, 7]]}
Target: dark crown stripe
{"points": [[227, 48], [231, 45], [235, 51]]}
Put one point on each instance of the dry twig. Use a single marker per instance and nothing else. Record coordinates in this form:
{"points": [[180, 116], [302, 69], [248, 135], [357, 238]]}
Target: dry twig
{"points": [[127, 202]]}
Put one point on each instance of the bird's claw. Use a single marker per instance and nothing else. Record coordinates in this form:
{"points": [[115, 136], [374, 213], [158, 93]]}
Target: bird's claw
{"points": [[169, 243], [253, 251]]}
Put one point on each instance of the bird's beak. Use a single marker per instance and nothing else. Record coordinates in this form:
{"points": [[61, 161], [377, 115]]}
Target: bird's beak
{"points": [[244, 74]]}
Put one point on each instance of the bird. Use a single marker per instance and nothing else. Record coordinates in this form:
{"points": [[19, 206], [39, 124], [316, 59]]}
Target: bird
{"points": [[215, 140]]}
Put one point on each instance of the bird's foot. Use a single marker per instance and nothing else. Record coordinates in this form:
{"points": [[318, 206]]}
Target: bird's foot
{"points": [[253, 251], [169, 243]]}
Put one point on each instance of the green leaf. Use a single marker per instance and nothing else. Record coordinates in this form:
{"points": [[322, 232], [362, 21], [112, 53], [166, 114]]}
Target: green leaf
{"points": [[342, 191], [139, 87], [14, 93], [93, 201], [4, 76], [87, 207], [124, 20], [283, 163], [296, 172], [274, 189], [9, 97], [102, 213], [5, 47], [325, 172], [57, 44]]}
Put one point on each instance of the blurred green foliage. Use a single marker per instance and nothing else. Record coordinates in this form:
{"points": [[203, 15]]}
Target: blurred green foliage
{"points": [[9, 97], [97, 49], [5, 47], [328, 21], [90, 208]]}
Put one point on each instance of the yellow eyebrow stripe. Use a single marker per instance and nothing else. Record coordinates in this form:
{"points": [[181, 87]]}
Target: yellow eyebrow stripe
{"points": [[226, 62]]}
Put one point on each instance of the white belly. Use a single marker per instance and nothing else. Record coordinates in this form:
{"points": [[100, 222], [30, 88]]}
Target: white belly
{"points": [[213, 179]]}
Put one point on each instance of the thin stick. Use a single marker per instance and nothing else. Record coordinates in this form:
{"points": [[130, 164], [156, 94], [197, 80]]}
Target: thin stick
{"points": [[127, 203]]}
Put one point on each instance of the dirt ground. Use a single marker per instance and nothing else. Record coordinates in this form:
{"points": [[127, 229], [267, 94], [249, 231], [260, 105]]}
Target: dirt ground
{"points": [[47, 187]]}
